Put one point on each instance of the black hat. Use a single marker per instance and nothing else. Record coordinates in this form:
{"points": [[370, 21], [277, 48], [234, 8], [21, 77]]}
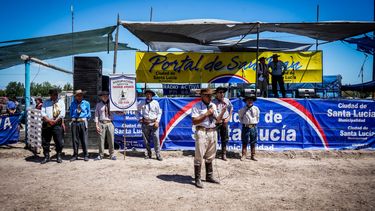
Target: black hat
{"points": [[53, 91], [262, 58], [275, 55], [220, 88], [150, 91], [253, 98], [103, 93]]}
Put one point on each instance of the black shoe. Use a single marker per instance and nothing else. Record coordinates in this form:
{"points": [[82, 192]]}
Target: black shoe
{"points": [[159, 158], [59, 160], [73, 158], [45, 160], [86, 158]]}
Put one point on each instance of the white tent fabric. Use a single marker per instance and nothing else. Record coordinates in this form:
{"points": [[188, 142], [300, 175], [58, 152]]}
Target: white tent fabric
{"points": [[233, 46], [204, 32]]}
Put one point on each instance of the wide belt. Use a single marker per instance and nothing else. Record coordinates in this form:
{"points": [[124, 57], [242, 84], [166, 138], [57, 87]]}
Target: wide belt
{"points": [[148, 121], [105, 121], [249, 125], [205, 129], [78, 119]]}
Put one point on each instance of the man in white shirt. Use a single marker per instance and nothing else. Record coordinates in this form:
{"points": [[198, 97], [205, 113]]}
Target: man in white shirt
{"points": [[278, 70], [249, 118], [53, 113], [205, 115], [150, 115], [222, 127], [104, 126]]}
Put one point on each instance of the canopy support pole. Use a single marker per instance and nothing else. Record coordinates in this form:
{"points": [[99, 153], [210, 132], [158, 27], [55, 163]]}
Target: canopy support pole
{"points": [[256, 62], [27, 96], [116, 45]]}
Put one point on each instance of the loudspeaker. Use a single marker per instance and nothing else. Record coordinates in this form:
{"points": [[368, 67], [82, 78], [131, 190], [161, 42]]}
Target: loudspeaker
{"points": [[308, 93], [88, 77]]}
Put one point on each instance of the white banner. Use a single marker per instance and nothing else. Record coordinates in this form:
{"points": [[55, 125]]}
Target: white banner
{"points": [[122, 93]]}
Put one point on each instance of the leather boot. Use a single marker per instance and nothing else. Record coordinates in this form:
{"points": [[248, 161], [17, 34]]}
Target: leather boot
{"points": [[252, 147], [244, 152], [197, 172], [46, 159], [210, 174], [224, 151], [59, 159]]}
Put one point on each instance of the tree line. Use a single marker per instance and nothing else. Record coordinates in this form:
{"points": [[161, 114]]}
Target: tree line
{"points": [[36, 89]]}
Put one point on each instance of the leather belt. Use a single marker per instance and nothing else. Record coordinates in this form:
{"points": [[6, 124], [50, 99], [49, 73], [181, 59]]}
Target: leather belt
{"points": [[105, 121], [148, 121], [249, 125], [78, 119], [205, 129]]}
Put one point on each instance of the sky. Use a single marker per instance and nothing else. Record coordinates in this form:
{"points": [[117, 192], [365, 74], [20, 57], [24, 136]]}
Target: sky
{"points": [[26, 19]]}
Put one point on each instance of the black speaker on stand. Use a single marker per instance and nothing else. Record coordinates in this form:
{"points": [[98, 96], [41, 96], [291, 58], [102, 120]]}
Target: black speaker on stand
{"points": [[88, 77]]}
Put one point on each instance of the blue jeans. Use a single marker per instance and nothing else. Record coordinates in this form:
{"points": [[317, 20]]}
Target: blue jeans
{"points": [[249, 135]]}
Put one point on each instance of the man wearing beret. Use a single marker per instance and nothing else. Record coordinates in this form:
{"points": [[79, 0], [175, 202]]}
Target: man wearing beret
{"points": [[249, 118], [104, 126], [150, 115], [53, 114], [222, 127]]}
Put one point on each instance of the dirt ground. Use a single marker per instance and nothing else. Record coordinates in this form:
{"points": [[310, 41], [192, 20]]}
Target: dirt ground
{"points": [[291, 180]]}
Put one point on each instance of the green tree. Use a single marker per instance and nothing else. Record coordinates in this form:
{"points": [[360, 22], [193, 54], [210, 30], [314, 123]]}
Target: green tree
{"points": [[15, 89], [68, 87]]}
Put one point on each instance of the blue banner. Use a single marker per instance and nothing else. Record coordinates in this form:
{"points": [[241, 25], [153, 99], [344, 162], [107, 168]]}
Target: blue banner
{"points": [[284, 124], [9, 133], [179, 89]]}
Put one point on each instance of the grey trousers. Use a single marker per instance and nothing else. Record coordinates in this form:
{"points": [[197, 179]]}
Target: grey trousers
{"points": [[150, 132], [106, 134]]}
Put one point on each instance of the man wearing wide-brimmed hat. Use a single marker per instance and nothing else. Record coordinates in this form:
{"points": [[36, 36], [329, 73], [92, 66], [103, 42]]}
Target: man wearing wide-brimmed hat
{"points": [[53, 114], [249, 118], [104, 126], [150, 115], [80, 113], [263, 77], [222, 127], [205, 115], [278, 69]]}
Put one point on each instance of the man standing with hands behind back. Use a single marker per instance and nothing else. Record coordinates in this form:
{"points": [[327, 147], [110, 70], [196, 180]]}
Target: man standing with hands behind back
{"points": [[150, 113], [278, 69], [104, 125]]}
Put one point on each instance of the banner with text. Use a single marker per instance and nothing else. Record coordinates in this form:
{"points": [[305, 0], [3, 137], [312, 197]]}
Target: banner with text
{"points": [[284, 124], [9, 133], [122, 93], [227, 67]]}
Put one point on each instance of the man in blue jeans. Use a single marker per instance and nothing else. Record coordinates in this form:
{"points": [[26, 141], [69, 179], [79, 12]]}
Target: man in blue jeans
{"points": [[249, 118], [150, 115]]}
